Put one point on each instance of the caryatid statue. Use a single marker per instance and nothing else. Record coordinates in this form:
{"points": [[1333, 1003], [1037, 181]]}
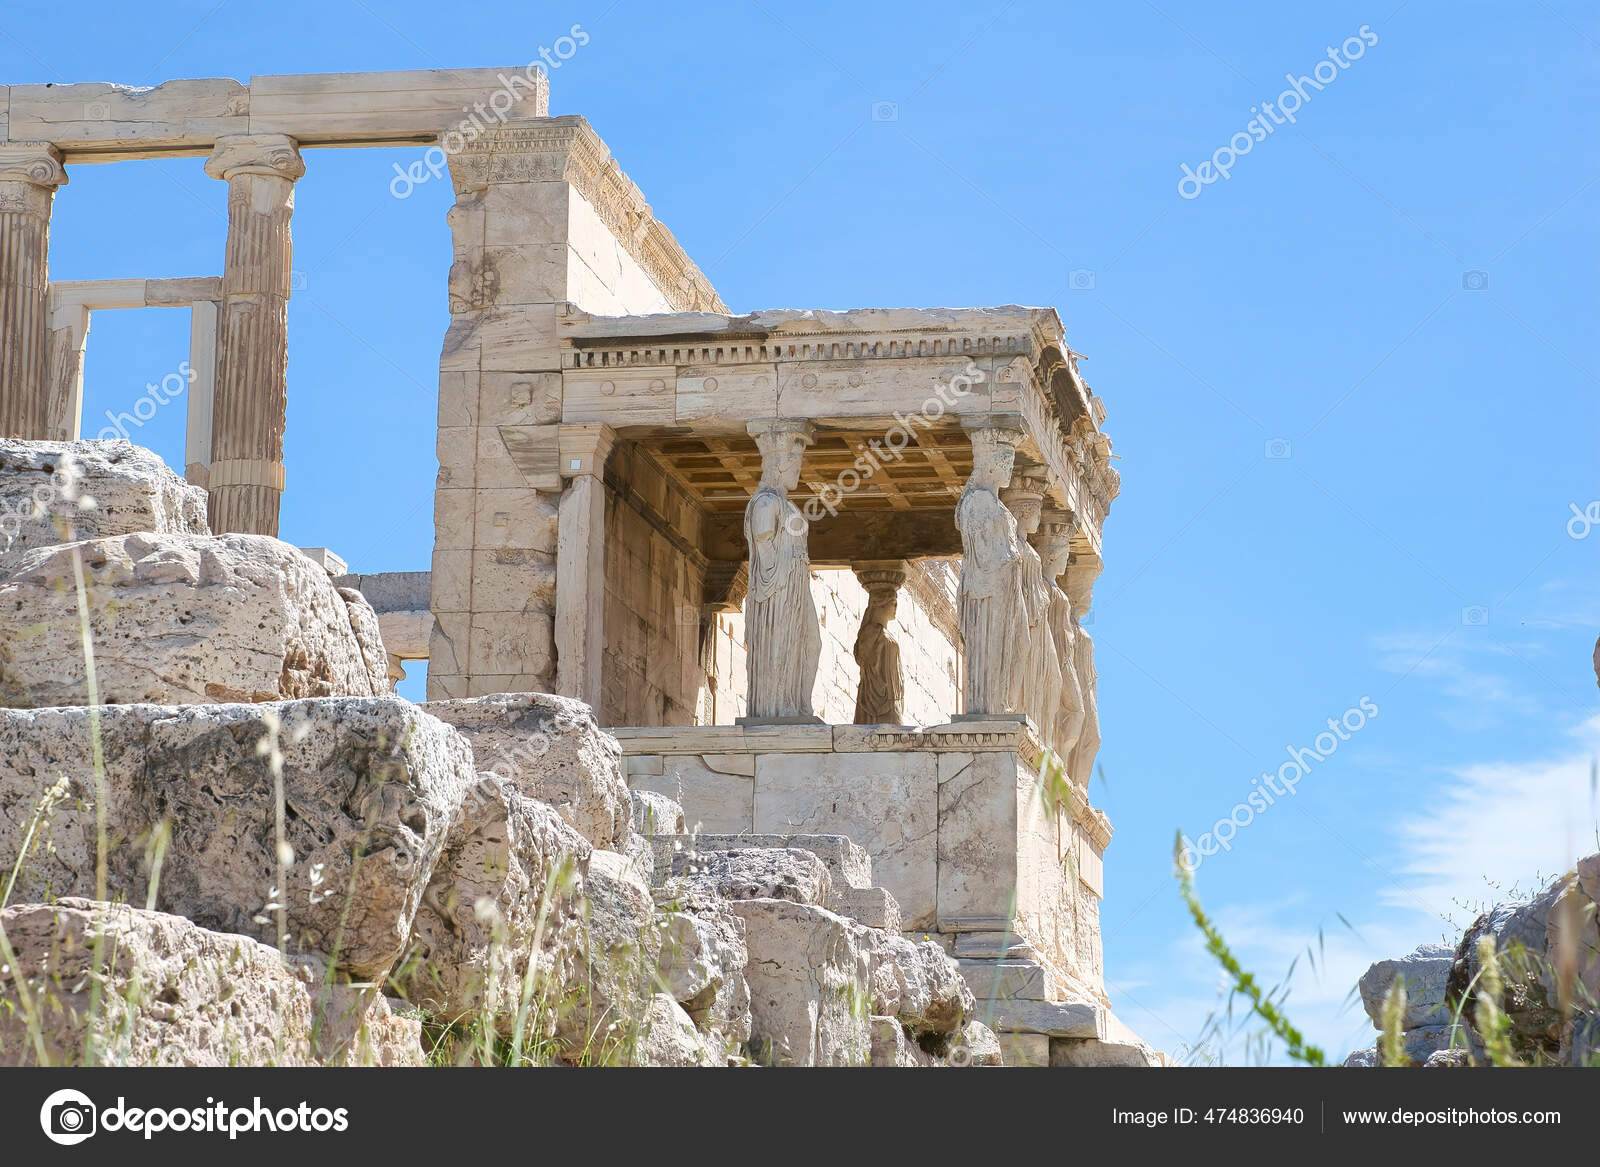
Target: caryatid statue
{"points": [[1041, 675], [1083, 568], [994, 616], [784, 641], [882, 690], [1054, 542]]}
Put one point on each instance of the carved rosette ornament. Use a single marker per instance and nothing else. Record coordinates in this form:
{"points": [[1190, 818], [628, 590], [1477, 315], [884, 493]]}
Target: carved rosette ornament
{"points": [[251, 400], [783, 637], [29, 175]]}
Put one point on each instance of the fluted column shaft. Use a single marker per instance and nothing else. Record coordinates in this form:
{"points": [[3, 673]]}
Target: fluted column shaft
{"points": [[29, 175], [250, 404]]}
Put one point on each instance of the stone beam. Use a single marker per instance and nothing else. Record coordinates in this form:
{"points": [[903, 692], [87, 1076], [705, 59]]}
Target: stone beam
{"points": [[103, 122], [712, 374]]}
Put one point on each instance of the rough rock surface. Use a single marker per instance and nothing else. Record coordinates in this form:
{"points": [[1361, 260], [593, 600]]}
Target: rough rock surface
{"points": [[506, 894], [57, 492], [1425, 969], [702, 964], [756, 874], [1525, 936], [550, 748], [371, 786], [183, 619], [1548, 953], [656, 814], [669, 1037], [179, 995], [916, 983], [809, 985], [600, 1015]]}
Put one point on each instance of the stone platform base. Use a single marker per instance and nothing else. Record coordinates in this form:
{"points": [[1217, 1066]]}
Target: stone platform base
{"points": [[954, 819]]}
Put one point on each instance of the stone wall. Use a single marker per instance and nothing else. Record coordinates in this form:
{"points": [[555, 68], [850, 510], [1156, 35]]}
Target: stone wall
{"points": [[953, 820], [542, 218], [652, 673]]}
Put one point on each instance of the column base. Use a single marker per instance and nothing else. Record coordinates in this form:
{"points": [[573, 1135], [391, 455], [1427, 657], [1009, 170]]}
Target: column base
{"points": [[796, 720]]}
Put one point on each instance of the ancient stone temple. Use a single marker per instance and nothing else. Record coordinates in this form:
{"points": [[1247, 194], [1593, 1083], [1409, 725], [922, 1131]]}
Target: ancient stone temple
{"points": [[820, 573]]}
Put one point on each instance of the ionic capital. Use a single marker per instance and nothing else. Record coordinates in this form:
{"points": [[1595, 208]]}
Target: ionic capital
{"points": [[36, 163], [275, 155]]}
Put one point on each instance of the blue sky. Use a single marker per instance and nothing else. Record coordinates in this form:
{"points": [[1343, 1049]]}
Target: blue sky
{"points": [[1393, 291]]}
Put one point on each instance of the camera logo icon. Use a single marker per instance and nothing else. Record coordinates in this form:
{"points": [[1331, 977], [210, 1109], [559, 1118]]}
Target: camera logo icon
{"points": [[68, 1117], [1475, 616], [885, 111], [1474, 281], [1081, 279], [97, 111], [1278, 449]]}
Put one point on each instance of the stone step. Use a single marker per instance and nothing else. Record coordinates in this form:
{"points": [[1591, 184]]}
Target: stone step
{"points": [[993, 946], [1083, 1019], [1007, 980]]}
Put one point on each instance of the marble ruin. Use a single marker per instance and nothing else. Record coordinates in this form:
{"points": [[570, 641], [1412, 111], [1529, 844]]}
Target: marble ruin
{"points": [[818, 575]]}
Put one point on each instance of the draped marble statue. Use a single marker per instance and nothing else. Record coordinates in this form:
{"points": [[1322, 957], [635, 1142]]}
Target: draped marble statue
{"points": [[1041, 670], [1083, 568], [783, 639], [994, 616], [1054, 542], [882, 691]]}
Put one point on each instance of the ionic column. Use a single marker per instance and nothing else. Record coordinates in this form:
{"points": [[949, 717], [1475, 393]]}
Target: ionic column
{"points": [[783, 641], [581, 563], [251, 399], [881, 695], [29, 175]]}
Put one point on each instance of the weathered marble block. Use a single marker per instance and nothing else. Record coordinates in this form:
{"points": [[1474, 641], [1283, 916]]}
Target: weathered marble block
{"points": [[184, 619], [503, 911], [371, 787], [885, 802], [46, 490], [551, 749], [180, 995]]}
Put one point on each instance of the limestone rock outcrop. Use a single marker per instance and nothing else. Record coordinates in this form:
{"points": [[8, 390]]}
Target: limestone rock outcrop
{"points": [[59, 492], [499, 928], [702, 965], [1547, 949], [175, 994], [1425, 970], [550, 748], [370, 788], [183, 619]]}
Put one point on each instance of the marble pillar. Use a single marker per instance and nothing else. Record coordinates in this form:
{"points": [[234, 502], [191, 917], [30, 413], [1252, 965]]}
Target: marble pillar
{"points": [[29, 175], [249, 406], [579, 634]]}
